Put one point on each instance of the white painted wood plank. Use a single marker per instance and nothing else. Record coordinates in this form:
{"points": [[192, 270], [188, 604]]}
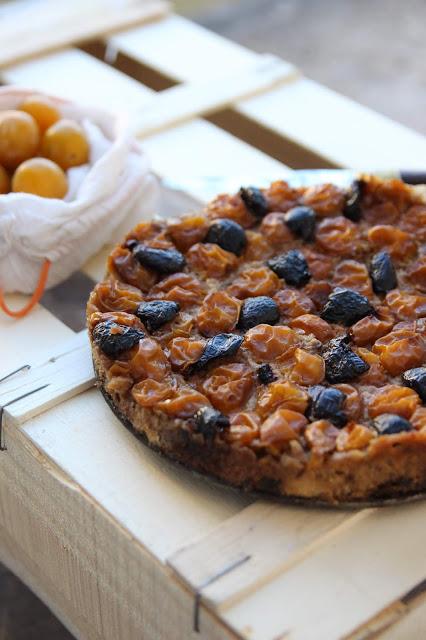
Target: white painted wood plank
{"points": [[176, 44], [65, 23], [346, 582], [77, 76], [161, 504], [184, 102], [24, 340], [65, 371], [253, 547], [335, 127], [307, 113]]}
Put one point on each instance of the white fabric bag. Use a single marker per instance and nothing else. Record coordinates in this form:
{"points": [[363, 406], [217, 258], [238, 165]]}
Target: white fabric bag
{"points": [[105, 198]]}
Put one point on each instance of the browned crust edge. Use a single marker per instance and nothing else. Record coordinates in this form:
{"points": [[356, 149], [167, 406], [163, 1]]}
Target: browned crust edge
{"points": [[346, 482]]}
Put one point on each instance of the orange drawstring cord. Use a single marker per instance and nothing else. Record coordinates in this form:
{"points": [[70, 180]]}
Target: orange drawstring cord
{"points": [[39, 290]]}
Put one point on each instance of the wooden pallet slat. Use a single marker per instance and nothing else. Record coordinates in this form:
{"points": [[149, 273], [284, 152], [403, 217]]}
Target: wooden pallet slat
{"points": [[65, 372], [187, 101], [65, 23], [340, 130], [77, 76], [207, 56]]}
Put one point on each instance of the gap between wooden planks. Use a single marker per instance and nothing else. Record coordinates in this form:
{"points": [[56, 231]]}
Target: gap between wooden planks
{"points": [[250, 542], [345, 583], [275, 545]]}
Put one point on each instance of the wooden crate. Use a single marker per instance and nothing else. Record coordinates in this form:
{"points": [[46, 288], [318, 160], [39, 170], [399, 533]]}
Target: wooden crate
{"points": [[120, 543]]}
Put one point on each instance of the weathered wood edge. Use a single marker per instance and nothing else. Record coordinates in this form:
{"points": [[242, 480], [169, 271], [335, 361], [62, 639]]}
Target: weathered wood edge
{"points": [[67, 371]]}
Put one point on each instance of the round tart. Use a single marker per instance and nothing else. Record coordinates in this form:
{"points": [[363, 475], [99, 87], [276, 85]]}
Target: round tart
{"points": [[276, 340]]}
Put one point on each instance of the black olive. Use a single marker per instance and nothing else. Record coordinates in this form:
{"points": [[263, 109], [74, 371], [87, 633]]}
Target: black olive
{"points": [[341, 363], [113, 339], [416, 379], [208, 421], [258, 310], [389, 423], [301, 222], [352, 208], [382, 272], [227, 234], [265, 375], [220, 346], [156, 313], [292, 267], [346, 307], [255, 201], [159, 260], [131, 244], [327, 403]]}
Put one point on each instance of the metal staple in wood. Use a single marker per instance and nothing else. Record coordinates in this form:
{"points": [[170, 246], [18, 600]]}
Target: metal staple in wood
{"points": [[2, 408], [208, 582]]}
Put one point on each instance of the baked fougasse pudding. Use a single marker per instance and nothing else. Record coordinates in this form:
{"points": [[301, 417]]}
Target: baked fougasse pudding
{"points": [[276, 340]]}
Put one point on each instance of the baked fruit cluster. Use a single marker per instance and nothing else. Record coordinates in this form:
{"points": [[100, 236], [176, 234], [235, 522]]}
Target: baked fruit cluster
{"points": [[277, 339], [37, 147]]}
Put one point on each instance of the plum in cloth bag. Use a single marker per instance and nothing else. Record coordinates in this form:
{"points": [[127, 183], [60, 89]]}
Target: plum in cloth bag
{"points": [[42, 241]]}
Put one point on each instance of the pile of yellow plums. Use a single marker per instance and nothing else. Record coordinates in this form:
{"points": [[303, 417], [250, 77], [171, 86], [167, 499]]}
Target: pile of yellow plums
{"points": [[37, 146]]}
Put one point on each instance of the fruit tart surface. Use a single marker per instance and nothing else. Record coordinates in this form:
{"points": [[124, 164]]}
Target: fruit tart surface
{"points": [[276, 340]]}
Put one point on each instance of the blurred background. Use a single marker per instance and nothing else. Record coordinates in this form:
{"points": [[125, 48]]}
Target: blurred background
{"points": [[373, 51]]}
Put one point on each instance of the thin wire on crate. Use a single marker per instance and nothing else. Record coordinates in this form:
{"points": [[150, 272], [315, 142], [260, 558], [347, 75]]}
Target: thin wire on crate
{"points": [[24, 367]]}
